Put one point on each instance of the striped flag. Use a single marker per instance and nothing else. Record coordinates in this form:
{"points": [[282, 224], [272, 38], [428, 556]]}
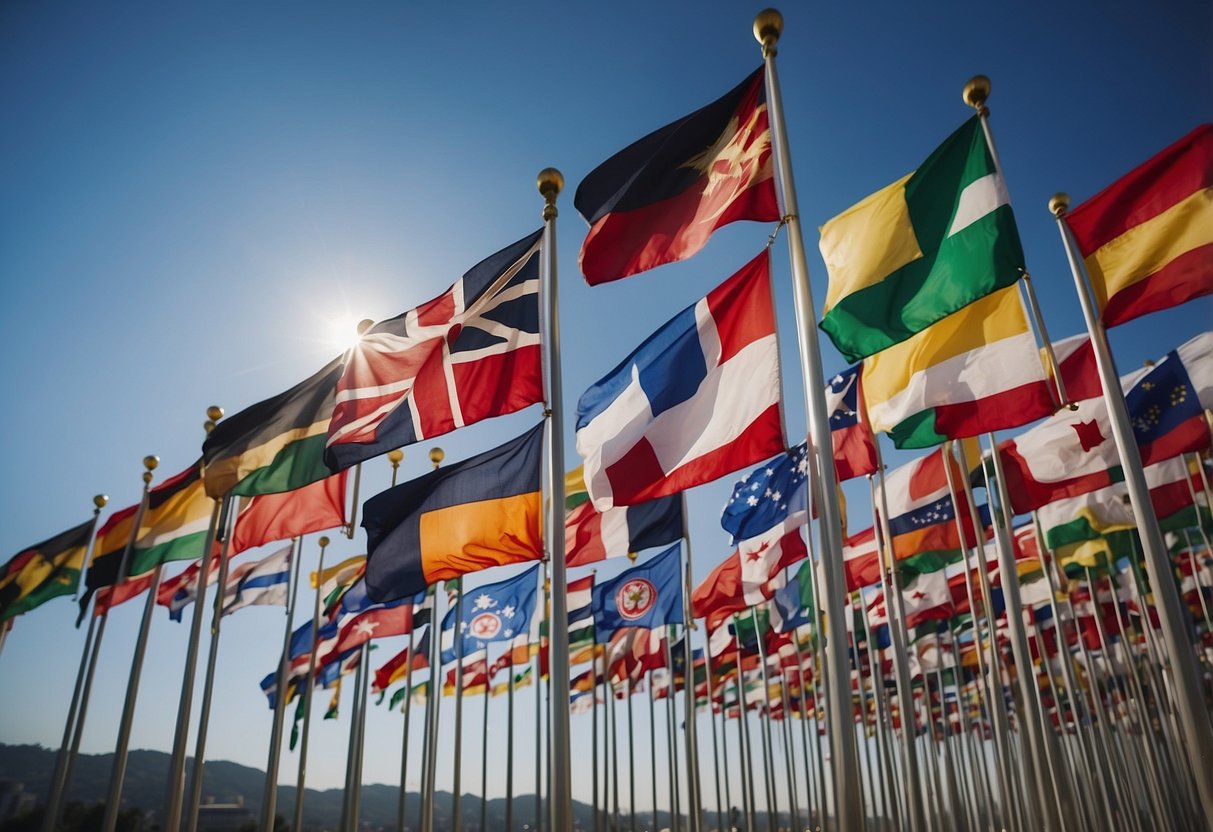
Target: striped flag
{"points": [[263, 582], [591, 535]]}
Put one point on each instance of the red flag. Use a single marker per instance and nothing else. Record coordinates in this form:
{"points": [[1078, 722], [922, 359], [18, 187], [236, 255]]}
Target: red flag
{"points": [[270, 517]]}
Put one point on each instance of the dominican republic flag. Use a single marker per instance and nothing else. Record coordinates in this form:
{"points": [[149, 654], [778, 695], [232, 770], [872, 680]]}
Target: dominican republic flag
{"points": [[850, 436], [264, 582], [468, 354], [773, 494], [659, 199], [697, 400], [494, 612], [646, 596], [591, 535]]}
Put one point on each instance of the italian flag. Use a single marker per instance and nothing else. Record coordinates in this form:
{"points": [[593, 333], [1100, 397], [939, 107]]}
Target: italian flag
{"points": [[920, 249]]}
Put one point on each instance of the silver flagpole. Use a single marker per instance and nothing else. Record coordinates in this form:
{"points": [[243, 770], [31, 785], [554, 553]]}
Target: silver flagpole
{"points": [[78, 732], [888, 806], [118, 771], [593, 730], [402, 799], [867, 770], [1052, 790], [694, 791], [310, 681], [653, 746], [509, 752], [1193, 716], [351, 762], [743, 730], [631, 756], [550, 182], [269, 799], [720, 752], [789, 749], [176, 772], [672, 723], [768, 27], [539, 824], [194, 794], [613, 727], [457, 783], [764, 722], [484, 756], [434, 700], [50, 816], [901, 664]]}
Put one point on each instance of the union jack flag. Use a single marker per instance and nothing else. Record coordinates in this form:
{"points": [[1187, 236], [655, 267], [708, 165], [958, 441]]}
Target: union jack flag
{"points": [[468, 354]]}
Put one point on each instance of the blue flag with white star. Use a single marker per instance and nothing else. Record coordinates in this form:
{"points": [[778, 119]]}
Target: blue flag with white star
{"points": [[648, 595], [768, 495], [493, 612]]}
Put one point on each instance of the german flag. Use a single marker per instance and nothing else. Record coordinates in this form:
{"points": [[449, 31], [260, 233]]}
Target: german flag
{"points": [[1147, 238], [44, 571], [482, 512], [276, 445]]}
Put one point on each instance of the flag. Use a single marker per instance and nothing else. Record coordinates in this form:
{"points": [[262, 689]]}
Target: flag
{"points": [[581, 619], [109, 550], [659, 199], [698, 399], [921, 511], [792, 604], [380, 621], [591, 535], [275, 445], [861, 560], [272, 517], [927, 598], [773, 494], [1166, 407], [181, 590], [733, 585], [1147, 239], [396, 668], [175, 522], [973, 372], [481, 512], [265, 582], [1076, 358], [499, 611], [850, 434], [920, 249], [468, 354], [43, 571], [647, 595]]}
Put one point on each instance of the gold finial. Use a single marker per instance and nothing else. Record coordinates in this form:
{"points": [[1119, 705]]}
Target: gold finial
{"points": [[395, 456], [208, 426], [632, 557], [214, 413], [550, 183], [364, 325], [100, 501], [1059, 203], [976, 91], [1149, 362], [768, 27], [323, 541], [151, 461], [436, 456]]}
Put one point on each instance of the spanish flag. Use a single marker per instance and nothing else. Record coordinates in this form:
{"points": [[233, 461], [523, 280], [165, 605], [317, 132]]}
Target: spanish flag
{"points": [[482, 512], [1147, 238]]}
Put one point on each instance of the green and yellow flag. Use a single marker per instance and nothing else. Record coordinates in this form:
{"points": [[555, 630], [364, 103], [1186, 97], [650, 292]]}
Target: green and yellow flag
{"points": [[922, 248], [44, 571]]}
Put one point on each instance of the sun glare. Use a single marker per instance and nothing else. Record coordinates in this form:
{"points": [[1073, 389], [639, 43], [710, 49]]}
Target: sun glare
{"points": [[343, 332]]}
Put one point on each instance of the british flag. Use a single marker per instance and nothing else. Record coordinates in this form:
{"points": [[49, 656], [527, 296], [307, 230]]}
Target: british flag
{"points": [[468, 354]]}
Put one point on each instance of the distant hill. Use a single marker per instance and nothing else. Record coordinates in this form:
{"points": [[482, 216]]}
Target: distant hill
{"points": [[228, 782]]}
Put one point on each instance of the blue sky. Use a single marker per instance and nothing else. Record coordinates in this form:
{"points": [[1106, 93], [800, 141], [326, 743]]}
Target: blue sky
{"points": [[197, 203]]}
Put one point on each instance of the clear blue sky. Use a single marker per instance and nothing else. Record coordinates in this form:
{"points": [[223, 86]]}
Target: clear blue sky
{"points": [[196, 204]]}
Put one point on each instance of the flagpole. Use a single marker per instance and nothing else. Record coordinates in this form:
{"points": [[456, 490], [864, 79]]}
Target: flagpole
{"points": [[204, 712], [613, 727], [593, 727], [550, 183], [1193, 715], [456, 787], [694, 791], [888, 804], [539, 710], [350, 761], [509, 752], [297, 821], [434, 699], [50, 816], [118, 771], [484, 756], [349, 527], [768, 27], [707, 666], [269, 799], [789, 749], [1051, 789], [653, 745], [394, 457], [743, 730], [672, 710], [764, 719], [901, 665], [819, 774], [865, 759]]}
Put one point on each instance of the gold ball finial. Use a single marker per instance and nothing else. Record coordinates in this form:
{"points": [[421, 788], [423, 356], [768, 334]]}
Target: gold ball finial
{"points": [[151, 461], [550, 183], [208, 426], [436, 456], [976, 91], [768, 26], [214, 413], [364, 325], [632, 557], [323, 541], [1059, 203], [395, 456], [100, 501]]}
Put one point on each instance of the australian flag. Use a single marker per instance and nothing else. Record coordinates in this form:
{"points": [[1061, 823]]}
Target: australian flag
{"points": [[468, 354], [772, 494]]}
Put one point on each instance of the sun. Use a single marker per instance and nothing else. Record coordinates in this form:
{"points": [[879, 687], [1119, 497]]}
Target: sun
{"points": [[342, 332]]}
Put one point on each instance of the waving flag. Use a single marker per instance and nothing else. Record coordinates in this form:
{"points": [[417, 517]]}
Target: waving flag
{"points": [[1166, 407], [44, 571], [481, 512], [468, 354], [272, 517], [920, 249], [861, 560], [591, 535], [659, 199], [397, 667], [922, 515], [742, 581], [697, 400], [264, 582], [850, 434], [1147, 238], [494, 612], [175, 523], [646, 596], [773, 494], [181, 590]]}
